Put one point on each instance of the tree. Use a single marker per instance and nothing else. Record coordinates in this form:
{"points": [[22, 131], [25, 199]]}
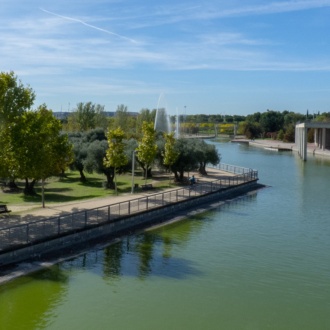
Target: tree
{"points": [[291, 118], [187, 160], [324, 117], [96, 153], [170, 153], [87, 116], [101, 120], [206, 154], [251, 129], [80, 154], [40, 150], [289, 135], [271, 121], [115, 154], [147, 148], [145, 115], [193, 154], [81, 148], [15, 98]]}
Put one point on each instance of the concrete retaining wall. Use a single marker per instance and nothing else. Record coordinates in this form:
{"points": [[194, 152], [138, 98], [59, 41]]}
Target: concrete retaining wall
{"points": [[122, 226]]}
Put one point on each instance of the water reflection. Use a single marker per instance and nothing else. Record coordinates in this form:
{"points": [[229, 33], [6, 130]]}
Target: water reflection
{"points": [[150, 253], [112, 260]]}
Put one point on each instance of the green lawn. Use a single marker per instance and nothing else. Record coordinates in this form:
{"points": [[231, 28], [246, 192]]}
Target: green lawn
{"points": [[70, 188]]}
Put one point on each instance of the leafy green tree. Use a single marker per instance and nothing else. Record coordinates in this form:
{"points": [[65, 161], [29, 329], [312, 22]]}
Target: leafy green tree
{"points": [[187, 160], [251, 129], [87, 116], [289, 135], [40, 150], [121, 117], [33, 147], [291, 118], [206, 154], [170, 153], [101, 119], [280, 135], [115, 154], [271, 121], [147, 148], [145, 115], [193, 154], [96, 153], [80, 154], [254, 118], [323, 117], [15, 98], [81, 142]]}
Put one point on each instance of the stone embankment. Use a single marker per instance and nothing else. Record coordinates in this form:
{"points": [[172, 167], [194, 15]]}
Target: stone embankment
{"points": [[181, 204]]}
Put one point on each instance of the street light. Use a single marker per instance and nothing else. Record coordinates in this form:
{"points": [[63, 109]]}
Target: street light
{"points": [[133, 169]]}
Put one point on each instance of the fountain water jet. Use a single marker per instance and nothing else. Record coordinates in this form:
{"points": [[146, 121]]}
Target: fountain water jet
{"points": [[162, 120]]}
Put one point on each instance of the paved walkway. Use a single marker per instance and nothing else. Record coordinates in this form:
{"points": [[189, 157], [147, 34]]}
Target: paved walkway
{"points": [[28, 212]]}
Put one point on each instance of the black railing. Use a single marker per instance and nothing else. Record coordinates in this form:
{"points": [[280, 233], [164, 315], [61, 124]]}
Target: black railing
{"points": [[25, 234]]}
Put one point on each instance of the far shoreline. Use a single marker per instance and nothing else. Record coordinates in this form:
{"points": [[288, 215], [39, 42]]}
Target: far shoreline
{"points": [[278, 145]]}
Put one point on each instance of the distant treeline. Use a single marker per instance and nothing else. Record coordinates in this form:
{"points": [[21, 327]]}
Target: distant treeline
{"points": [[269, 124]]}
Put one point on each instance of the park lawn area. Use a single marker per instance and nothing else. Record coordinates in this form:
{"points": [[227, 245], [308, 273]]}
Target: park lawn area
{"points": [[69, 188]]}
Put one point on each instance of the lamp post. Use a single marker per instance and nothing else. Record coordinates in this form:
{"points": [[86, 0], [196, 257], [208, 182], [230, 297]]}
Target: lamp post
{"points": [[133, 170]]}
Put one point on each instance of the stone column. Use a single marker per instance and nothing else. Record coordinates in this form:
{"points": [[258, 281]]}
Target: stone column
{"points": [[323, 138], [304, 143]]}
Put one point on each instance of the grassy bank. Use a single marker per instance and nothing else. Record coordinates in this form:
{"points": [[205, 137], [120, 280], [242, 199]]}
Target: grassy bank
{"points": [[70, 188]]}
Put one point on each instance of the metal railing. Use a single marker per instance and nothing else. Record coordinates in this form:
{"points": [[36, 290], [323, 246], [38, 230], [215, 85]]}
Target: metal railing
{"points": [[26, 234], [234, 169]]}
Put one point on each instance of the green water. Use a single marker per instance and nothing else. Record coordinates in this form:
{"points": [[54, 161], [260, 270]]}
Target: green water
{"points": [[261, 261]]}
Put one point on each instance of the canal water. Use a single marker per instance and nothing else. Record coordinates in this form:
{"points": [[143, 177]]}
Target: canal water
{"points": [[261, 261]]}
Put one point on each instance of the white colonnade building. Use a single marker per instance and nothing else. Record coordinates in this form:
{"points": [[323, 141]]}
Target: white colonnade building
{"points": [[321, 137]]}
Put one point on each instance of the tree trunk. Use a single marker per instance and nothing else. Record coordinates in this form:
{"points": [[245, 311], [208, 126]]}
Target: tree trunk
{"points": [[146, 170], [43, 193], [29, 187], [110, 177], [12, 184], [176, 176], [115, 177], [202, 169], [82, 175]]}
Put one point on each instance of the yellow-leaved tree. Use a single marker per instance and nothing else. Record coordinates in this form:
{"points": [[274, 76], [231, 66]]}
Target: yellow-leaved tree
{"points": [[115, 154]]}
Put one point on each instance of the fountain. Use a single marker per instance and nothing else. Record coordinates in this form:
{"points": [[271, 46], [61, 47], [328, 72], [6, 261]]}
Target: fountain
{"points": [[162, 120]]}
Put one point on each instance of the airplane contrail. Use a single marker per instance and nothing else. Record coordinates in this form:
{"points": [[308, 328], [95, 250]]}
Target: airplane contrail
{"points": [[88, 25]]}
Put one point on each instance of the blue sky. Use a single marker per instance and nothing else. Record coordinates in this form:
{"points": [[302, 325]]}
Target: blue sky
{"points": [[212, 57]]}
